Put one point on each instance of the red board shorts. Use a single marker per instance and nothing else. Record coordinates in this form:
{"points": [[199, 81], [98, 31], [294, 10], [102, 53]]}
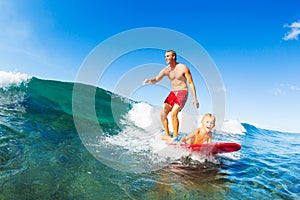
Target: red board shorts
{"points": [[178, 97]]}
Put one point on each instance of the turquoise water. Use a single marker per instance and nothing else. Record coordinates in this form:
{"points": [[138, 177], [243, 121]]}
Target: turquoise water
{"points": [[44, 156]]}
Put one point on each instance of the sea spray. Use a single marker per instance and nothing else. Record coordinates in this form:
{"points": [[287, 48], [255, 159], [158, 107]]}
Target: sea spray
{"points": [[8, 79]]}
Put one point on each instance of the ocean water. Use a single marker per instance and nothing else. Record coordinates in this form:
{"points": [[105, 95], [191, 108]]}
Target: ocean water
{"points": [[51, 147]]}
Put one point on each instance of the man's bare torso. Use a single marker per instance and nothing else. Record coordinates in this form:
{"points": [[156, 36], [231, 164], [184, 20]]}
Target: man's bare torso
{"points": [[177, 76]]}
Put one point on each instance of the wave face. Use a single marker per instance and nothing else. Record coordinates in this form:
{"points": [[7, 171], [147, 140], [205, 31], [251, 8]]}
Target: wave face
{"points": [[118, 153]]}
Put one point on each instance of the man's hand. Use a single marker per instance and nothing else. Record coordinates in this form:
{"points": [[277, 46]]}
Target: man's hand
{"points": [[196, 103], [147, 81], [150, 81]]}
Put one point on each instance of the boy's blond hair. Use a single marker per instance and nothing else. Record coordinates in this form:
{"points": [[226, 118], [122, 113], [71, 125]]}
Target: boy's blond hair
{"points": [[210, 116]]}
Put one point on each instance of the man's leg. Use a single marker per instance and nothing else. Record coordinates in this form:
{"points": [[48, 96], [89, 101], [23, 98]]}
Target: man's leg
{"points": [[175, 121], [163, 116]]}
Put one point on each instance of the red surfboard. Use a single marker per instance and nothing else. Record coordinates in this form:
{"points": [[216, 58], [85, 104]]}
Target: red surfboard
{"points": [[213, 148]]}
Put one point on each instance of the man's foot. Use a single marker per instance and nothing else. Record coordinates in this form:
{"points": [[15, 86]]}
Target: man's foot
{"points": [[167, 138]]}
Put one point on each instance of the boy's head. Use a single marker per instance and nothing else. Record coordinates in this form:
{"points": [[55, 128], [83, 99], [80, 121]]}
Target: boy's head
{"points": [[208, 122]]}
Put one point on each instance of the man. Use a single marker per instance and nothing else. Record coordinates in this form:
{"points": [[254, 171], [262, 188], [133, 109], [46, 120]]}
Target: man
{"points": [[178, 74]]}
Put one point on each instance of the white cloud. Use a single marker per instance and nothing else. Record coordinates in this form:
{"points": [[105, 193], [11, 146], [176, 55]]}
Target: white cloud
{"points": [[293, 87], [285, 88], [277, 91], [294, 32]]}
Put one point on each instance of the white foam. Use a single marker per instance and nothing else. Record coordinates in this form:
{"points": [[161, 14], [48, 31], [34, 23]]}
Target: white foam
{"points": [[147, 117], [138, 145], [233, 127], [147, 135], [140, 114], [8, 79], [232, 156]]}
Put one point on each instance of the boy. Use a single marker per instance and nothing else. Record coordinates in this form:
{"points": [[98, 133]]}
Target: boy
{"points": [[198, 136]]}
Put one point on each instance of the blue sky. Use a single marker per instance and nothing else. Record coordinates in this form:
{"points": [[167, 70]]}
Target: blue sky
{"points": [[254, 45]]}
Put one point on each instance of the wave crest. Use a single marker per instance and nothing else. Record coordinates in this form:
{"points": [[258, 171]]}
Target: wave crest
{"points": [[9, 79]]}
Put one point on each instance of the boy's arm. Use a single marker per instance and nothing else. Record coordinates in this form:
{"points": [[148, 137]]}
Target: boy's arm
{"points": [[190, 136], [209, 138]]}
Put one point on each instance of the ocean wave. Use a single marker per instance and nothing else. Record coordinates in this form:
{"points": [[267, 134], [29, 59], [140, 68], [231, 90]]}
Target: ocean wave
{"points": [[39, 143], [8, 79]]}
